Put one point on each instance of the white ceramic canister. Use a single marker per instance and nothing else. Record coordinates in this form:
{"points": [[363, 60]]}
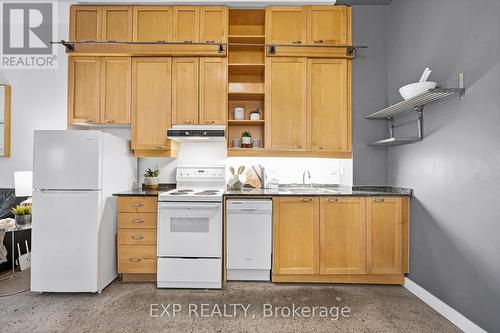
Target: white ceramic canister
{"points": [[239, 113]]}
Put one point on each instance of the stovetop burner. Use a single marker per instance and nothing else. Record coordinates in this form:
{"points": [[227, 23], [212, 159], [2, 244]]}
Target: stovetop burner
{"points": [[206, 193]]}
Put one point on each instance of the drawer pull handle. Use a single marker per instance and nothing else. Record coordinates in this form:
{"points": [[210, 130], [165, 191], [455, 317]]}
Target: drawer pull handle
{"points": [[160, 147], [135, 259], [210, 122], [137, 221], [89, 121], [296, 147], [306, 199], [187, 122], [297, 42], [137, 204], [319, 41], [379, 200], [332, 200], [319, 147], [137, 237], [108, 121]]}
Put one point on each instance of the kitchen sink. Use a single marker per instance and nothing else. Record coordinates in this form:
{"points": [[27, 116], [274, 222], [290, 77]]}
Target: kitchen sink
{"points": [[309, 190]]}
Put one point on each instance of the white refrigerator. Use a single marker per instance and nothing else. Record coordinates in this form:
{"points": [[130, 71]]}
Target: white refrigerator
{"points": [[75, 173]]}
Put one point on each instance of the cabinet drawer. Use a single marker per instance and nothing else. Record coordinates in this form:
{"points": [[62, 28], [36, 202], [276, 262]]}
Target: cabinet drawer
{"points": [[137, 220], [137, 204], [137, 236], [136, 259]]}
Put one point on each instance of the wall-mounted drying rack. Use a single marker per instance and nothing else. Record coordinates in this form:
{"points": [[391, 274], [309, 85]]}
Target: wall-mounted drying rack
{"points": [[221, 47], [414, 104]]}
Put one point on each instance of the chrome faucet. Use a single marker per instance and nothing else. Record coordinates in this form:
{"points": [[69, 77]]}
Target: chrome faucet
{"points": [[306, 172]]}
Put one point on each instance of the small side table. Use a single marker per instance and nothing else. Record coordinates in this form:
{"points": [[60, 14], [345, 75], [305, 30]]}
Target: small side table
{"points": [[13, 230]]}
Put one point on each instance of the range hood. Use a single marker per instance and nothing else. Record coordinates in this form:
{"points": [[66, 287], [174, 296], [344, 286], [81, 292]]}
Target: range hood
{"points": [[197, 133]]}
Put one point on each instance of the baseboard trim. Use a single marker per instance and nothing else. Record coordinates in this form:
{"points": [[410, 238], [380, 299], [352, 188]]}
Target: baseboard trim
{"points": [[444, 309]]}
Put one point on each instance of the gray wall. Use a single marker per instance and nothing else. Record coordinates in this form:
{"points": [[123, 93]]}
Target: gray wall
{"points": [[369, 93], [455, 171]]}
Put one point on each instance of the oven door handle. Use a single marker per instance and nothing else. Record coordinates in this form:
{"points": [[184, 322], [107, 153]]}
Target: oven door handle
{"points": [[190, 206]]}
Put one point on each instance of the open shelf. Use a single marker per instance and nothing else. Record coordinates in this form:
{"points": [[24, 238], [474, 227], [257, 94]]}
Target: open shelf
{"points": [[395, 142], [418, 101], [251, 39], [246, 96], [246, 122], [246, 69]]}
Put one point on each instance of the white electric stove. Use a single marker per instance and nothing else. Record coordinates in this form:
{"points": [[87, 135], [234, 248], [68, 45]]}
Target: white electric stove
{"points": [[190, 229]]}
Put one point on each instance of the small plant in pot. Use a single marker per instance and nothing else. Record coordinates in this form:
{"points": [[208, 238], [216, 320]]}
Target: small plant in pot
{"points": [[151, 179], [246, 139], [22, 215]]}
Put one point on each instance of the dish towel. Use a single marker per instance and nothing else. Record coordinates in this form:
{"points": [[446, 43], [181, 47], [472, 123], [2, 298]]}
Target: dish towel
{"points": [[3, 249]]}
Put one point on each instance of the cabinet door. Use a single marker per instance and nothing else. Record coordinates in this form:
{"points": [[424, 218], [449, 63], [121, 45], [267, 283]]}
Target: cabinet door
{"points": [[384, 234], [286, 25], [116, 79], [213, 90], [83, 89], [152, 23], [213, 24], [328, 105], [286, 103], [295, 235], [185, 90], [327, 25], [342, 236], [151, 98], [85, 23], [186, 24], [116, 23]]}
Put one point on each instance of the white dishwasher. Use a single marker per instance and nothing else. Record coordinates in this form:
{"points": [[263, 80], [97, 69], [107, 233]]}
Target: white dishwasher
{"points": [[249, 239]]}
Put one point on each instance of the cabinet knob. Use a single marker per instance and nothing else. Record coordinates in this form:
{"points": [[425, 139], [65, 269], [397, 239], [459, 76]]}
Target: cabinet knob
{"points": [[137, 221], [135, 259], [379, 200], [137, 204], [319, 41], [306, 199], [137, 237]]}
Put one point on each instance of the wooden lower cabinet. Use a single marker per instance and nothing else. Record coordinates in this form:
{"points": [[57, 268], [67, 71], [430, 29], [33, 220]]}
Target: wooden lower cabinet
{"points": [[296, 233], [340, 239], [384, 235], [342, 236], [136, 239]]}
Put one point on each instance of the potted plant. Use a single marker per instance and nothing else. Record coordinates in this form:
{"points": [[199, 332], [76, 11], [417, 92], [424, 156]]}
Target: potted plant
{"points": [[22, 215], [246, 139], [151, 179]]}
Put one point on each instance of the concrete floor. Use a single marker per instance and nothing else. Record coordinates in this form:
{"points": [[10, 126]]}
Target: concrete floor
{"points": [[126, 307]]}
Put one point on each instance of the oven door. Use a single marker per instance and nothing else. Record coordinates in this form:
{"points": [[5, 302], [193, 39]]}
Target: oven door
{"points": [[190, 229]]}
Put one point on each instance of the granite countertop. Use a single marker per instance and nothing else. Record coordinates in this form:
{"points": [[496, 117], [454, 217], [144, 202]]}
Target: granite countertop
{"points": [[324, 190], [316, 190], [144, 192]]}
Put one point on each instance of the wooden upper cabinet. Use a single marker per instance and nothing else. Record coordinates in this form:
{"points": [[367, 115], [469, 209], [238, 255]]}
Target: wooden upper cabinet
{"points": [[213, 90], [384, 235], [286, 103], [85, 23], [116, 79], [152, 23], [286, 25], [83, 89], [213, 24], [116, 23], [327, 25], [328, 105], [151, 103], [185, 90], [186, 24], [295, 235], [342, 235]]}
